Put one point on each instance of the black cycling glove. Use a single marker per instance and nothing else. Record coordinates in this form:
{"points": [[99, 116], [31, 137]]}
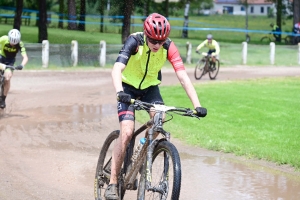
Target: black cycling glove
{"points": [[123, 97], [201, 112], [19, 67]]}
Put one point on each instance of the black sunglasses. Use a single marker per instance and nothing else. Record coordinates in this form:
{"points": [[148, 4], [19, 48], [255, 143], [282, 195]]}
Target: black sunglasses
{"points": [[152, 41]]}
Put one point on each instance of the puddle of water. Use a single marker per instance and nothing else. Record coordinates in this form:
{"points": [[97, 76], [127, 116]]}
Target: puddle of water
{"points": [[222, 178]]}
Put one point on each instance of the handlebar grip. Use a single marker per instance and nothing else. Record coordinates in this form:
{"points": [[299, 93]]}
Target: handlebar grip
{"points": [[2, 66]]}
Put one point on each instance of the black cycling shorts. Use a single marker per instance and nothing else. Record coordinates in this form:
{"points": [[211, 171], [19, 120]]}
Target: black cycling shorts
{"points": [[149, 95], [7, 61]]}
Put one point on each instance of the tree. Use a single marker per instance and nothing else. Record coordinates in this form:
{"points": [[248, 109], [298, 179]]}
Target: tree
{"points": [[81, 25], [296, 6], [279, 8], [72, 15], [146, 8], [61, 15], [101, 11], [18, 14], [42, 23], [128, 8]]}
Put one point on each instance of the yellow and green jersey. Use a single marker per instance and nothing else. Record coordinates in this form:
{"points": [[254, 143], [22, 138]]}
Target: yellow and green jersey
{"points": [[142, 65], [9, 51]]}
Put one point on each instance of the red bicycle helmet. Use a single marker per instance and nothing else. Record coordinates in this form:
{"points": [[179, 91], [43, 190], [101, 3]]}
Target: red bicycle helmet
{"points": [[157, 27]]}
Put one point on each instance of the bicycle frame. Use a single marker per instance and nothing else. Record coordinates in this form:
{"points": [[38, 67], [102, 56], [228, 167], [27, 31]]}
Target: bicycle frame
{"points": [[157, 154], [154, 126]]}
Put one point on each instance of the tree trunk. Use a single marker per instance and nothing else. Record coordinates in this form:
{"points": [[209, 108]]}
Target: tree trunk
{"points": [[72, 15], [61, 14], [146, 8], [81, 25], [167, 9], [126, 21], [279, 15], [18, 14], [101, 10], [43, 34], [296, 11]]}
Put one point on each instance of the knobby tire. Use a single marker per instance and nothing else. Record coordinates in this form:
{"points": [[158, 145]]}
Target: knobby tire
{"points": [[199, 70], [102, 175], [213, 73], [166, 173]]}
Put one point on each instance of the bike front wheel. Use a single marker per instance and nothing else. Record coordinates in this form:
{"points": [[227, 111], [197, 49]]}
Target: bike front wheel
{"points": [[166, 174], [214, 70], [103, 169], [199, 69], [265, 39]]}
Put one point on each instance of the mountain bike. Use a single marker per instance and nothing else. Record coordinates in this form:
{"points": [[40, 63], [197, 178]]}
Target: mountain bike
{"points": [[205, 65], [268, 38], [292, 40], [157, 164], [2, 78]]}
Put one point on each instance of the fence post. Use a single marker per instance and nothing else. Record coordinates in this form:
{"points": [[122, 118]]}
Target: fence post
{"points": [[188, 53], [244, 52], [45, 53], [102, 56], [298, 53], [272, 53], [74, 52]]}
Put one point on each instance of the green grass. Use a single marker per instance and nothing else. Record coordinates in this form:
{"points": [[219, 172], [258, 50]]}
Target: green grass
{"points": [[258, 24], [253, 118]]}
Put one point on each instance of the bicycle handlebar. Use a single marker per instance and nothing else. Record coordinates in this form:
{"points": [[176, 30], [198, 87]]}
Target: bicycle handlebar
{"points": [[163, 108], [3, 67]]}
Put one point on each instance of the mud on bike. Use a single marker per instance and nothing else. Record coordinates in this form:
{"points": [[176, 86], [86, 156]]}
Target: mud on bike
{"points": [[205, 65], [157, 164]]}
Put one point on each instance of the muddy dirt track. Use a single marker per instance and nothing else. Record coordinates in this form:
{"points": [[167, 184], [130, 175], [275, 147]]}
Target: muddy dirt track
{"points": [[54, 125]]}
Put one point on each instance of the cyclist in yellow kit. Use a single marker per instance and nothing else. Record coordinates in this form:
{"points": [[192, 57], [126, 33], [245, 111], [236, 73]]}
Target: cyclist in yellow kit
{"points": [[10, 45], [213, 47], [136, 75]]}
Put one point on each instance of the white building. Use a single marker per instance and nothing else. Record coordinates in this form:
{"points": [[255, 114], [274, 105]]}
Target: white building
{"points": [[236, 7]]}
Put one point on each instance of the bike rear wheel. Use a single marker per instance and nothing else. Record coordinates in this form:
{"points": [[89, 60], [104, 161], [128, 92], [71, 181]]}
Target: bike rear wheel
{"points": [[288, 40], [214, 70], [166, 174], [199, 69], [102, 175]]}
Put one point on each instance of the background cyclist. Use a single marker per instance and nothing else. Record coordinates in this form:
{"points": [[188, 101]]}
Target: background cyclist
{"points": [[136, 75], [276, 31], [213, 47], [10, 45]]}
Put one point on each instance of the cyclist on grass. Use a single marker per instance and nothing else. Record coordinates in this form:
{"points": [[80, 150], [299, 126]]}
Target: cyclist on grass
{"points": [[136, 75], [10, 45], [213, 48], [276, 31]]}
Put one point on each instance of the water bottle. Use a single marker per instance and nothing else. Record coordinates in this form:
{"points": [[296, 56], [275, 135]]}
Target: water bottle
{"points": [[138, 149]]}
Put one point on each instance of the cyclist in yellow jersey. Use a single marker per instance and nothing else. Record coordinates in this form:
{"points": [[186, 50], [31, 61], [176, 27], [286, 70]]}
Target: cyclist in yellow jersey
{"points": [[10, 45], [276, 31], [136, 75], [212, 45]]}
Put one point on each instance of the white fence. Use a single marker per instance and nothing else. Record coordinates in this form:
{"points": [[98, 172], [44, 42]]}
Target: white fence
{"points": [[244, 53], [101, 55]]}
